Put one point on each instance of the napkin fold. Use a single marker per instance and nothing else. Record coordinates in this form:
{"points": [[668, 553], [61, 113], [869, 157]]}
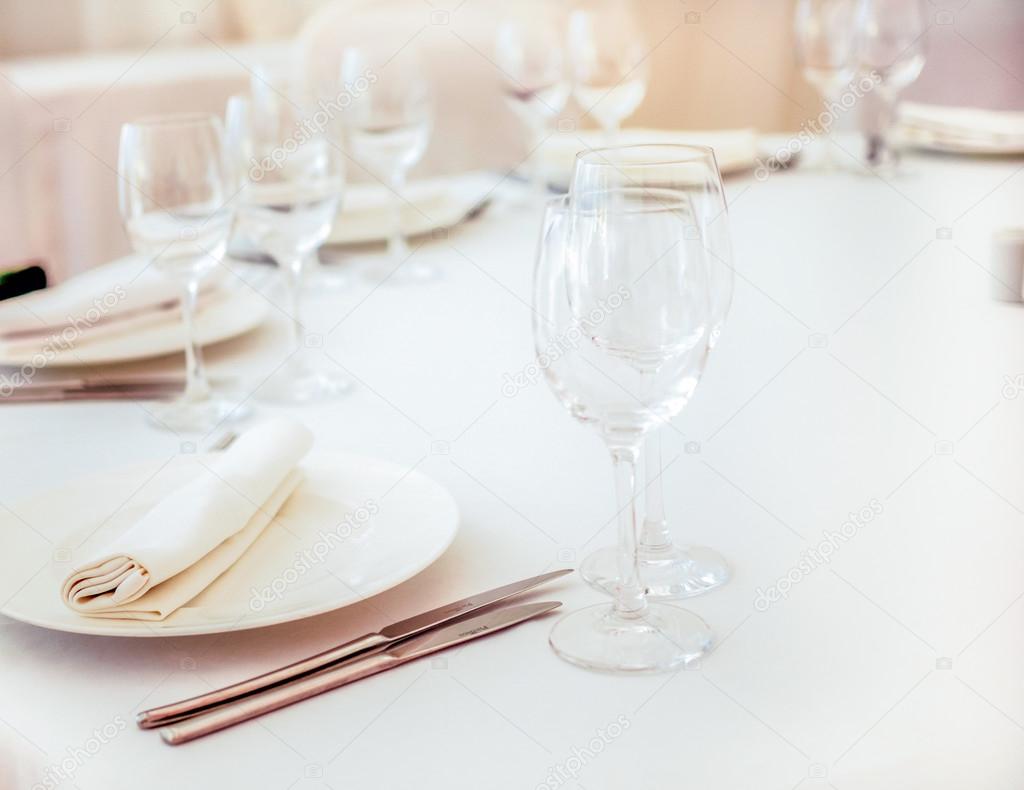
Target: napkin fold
{"points": [[114, 296], [735, 149], [195, 534], [969, 129]]}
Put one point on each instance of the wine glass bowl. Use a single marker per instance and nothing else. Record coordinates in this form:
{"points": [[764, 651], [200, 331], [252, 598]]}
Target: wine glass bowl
{"points": [[388, 125], [174, 190], [622, 290], [608, 59], [890, 47], [666, 570], [290, 185]]}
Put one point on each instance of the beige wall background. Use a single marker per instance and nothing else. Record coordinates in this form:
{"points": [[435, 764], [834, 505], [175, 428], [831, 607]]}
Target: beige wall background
{"points": [[72, 71]]}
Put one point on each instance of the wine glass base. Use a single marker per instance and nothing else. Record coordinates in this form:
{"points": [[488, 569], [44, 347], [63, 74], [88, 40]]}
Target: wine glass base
{"points": [[672, 573], [196, 416], [299, 384], [660, 638]]}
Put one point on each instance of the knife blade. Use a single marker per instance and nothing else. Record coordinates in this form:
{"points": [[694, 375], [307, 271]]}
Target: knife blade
{"points": [[405, 650], [176, 711]]}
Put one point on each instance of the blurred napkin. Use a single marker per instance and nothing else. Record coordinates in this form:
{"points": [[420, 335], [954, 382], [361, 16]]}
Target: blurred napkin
{"points": [[735, 149], [194, 535], [962, 129], [119, 296]]}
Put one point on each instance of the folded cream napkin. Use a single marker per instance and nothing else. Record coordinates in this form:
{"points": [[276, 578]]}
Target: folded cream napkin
{"points": [[735, 149], [969, 129], [190, 538], [112, 295]]}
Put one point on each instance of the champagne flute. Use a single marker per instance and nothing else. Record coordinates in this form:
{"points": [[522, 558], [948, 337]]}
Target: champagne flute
{"points": [[291, 180], [825, 38], [609, 65], [623, 289], [388, 127], [667, 571], [891, 48], [174, 190], [535, 83]]}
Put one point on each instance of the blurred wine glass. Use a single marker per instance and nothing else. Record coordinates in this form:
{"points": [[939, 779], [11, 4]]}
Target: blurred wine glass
{"points": [[388, 125], [890, 48], [608, 62], [825, 40], [530, 54], [290, 184], [174, 190]]}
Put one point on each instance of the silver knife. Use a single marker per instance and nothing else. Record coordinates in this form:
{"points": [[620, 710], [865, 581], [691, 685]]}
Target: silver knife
{"points": [[406, 650], [176, 711]]}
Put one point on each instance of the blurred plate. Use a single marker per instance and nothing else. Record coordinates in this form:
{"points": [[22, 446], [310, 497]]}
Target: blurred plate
{"points": [[434, 204], [415, 522]]}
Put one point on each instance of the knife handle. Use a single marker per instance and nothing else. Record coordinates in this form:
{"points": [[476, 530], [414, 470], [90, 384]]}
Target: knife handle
{"points": [[256, 705], [176, 711]]}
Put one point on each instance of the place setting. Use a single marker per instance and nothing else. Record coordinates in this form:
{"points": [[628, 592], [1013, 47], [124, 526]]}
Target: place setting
{"points": [[361, 393]]}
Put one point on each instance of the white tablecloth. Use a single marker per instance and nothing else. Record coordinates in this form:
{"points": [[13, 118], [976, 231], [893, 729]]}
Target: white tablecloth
{"points": [[863, 363]]}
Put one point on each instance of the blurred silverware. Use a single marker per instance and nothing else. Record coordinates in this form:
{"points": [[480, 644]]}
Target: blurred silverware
{"points": [[97, 388]]}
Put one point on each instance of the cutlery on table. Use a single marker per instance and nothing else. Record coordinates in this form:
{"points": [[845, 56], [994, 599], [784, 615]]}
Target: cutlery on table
{"points": [[94, 389], [355, 669], [386, 637]]}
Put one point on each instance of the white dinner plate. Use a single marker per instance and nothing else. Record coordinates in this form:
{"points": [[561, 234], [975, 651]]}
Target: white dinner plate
{"points": [[234, 313], [433, 204], [325, 550]]}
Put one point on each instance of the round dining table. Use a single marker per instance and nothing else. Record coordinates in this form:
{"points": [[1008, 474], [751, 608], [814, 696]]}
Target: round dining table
{"points": [[855, 450]]}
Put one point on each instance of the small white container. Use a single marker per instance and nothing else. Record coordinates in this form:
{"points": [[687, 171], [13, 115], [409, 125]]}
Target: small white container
{"points": [[1007, 265]]}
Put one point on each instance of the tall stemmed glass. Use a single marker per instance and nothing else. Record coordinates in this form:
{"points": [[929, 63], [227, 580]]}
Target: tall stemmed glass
{"points": [[890, 48], [609, 63], [291, 181], [388, 126], [623, 290], [174, 190], [667, 571], [535, 82], [825, 40]]}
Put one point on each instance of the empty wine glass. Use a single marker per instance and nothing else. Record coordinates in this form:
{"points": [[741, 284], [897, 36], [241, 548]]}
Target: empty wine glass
{"points": [[623, 292], [535, 82], [609, 67], [891, 49], [825, 38], [666, 570], [388, 125], [174, 189], [291, 180]]}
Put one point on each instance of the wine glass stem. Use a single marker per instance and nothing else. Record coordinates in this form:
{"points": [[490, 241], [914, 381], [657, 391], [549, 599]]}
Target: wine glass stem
{"points": [[879, 142], [292, 270], [196, 387], [397, 248], [538, 173], [629, 594], [655, 534]]}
